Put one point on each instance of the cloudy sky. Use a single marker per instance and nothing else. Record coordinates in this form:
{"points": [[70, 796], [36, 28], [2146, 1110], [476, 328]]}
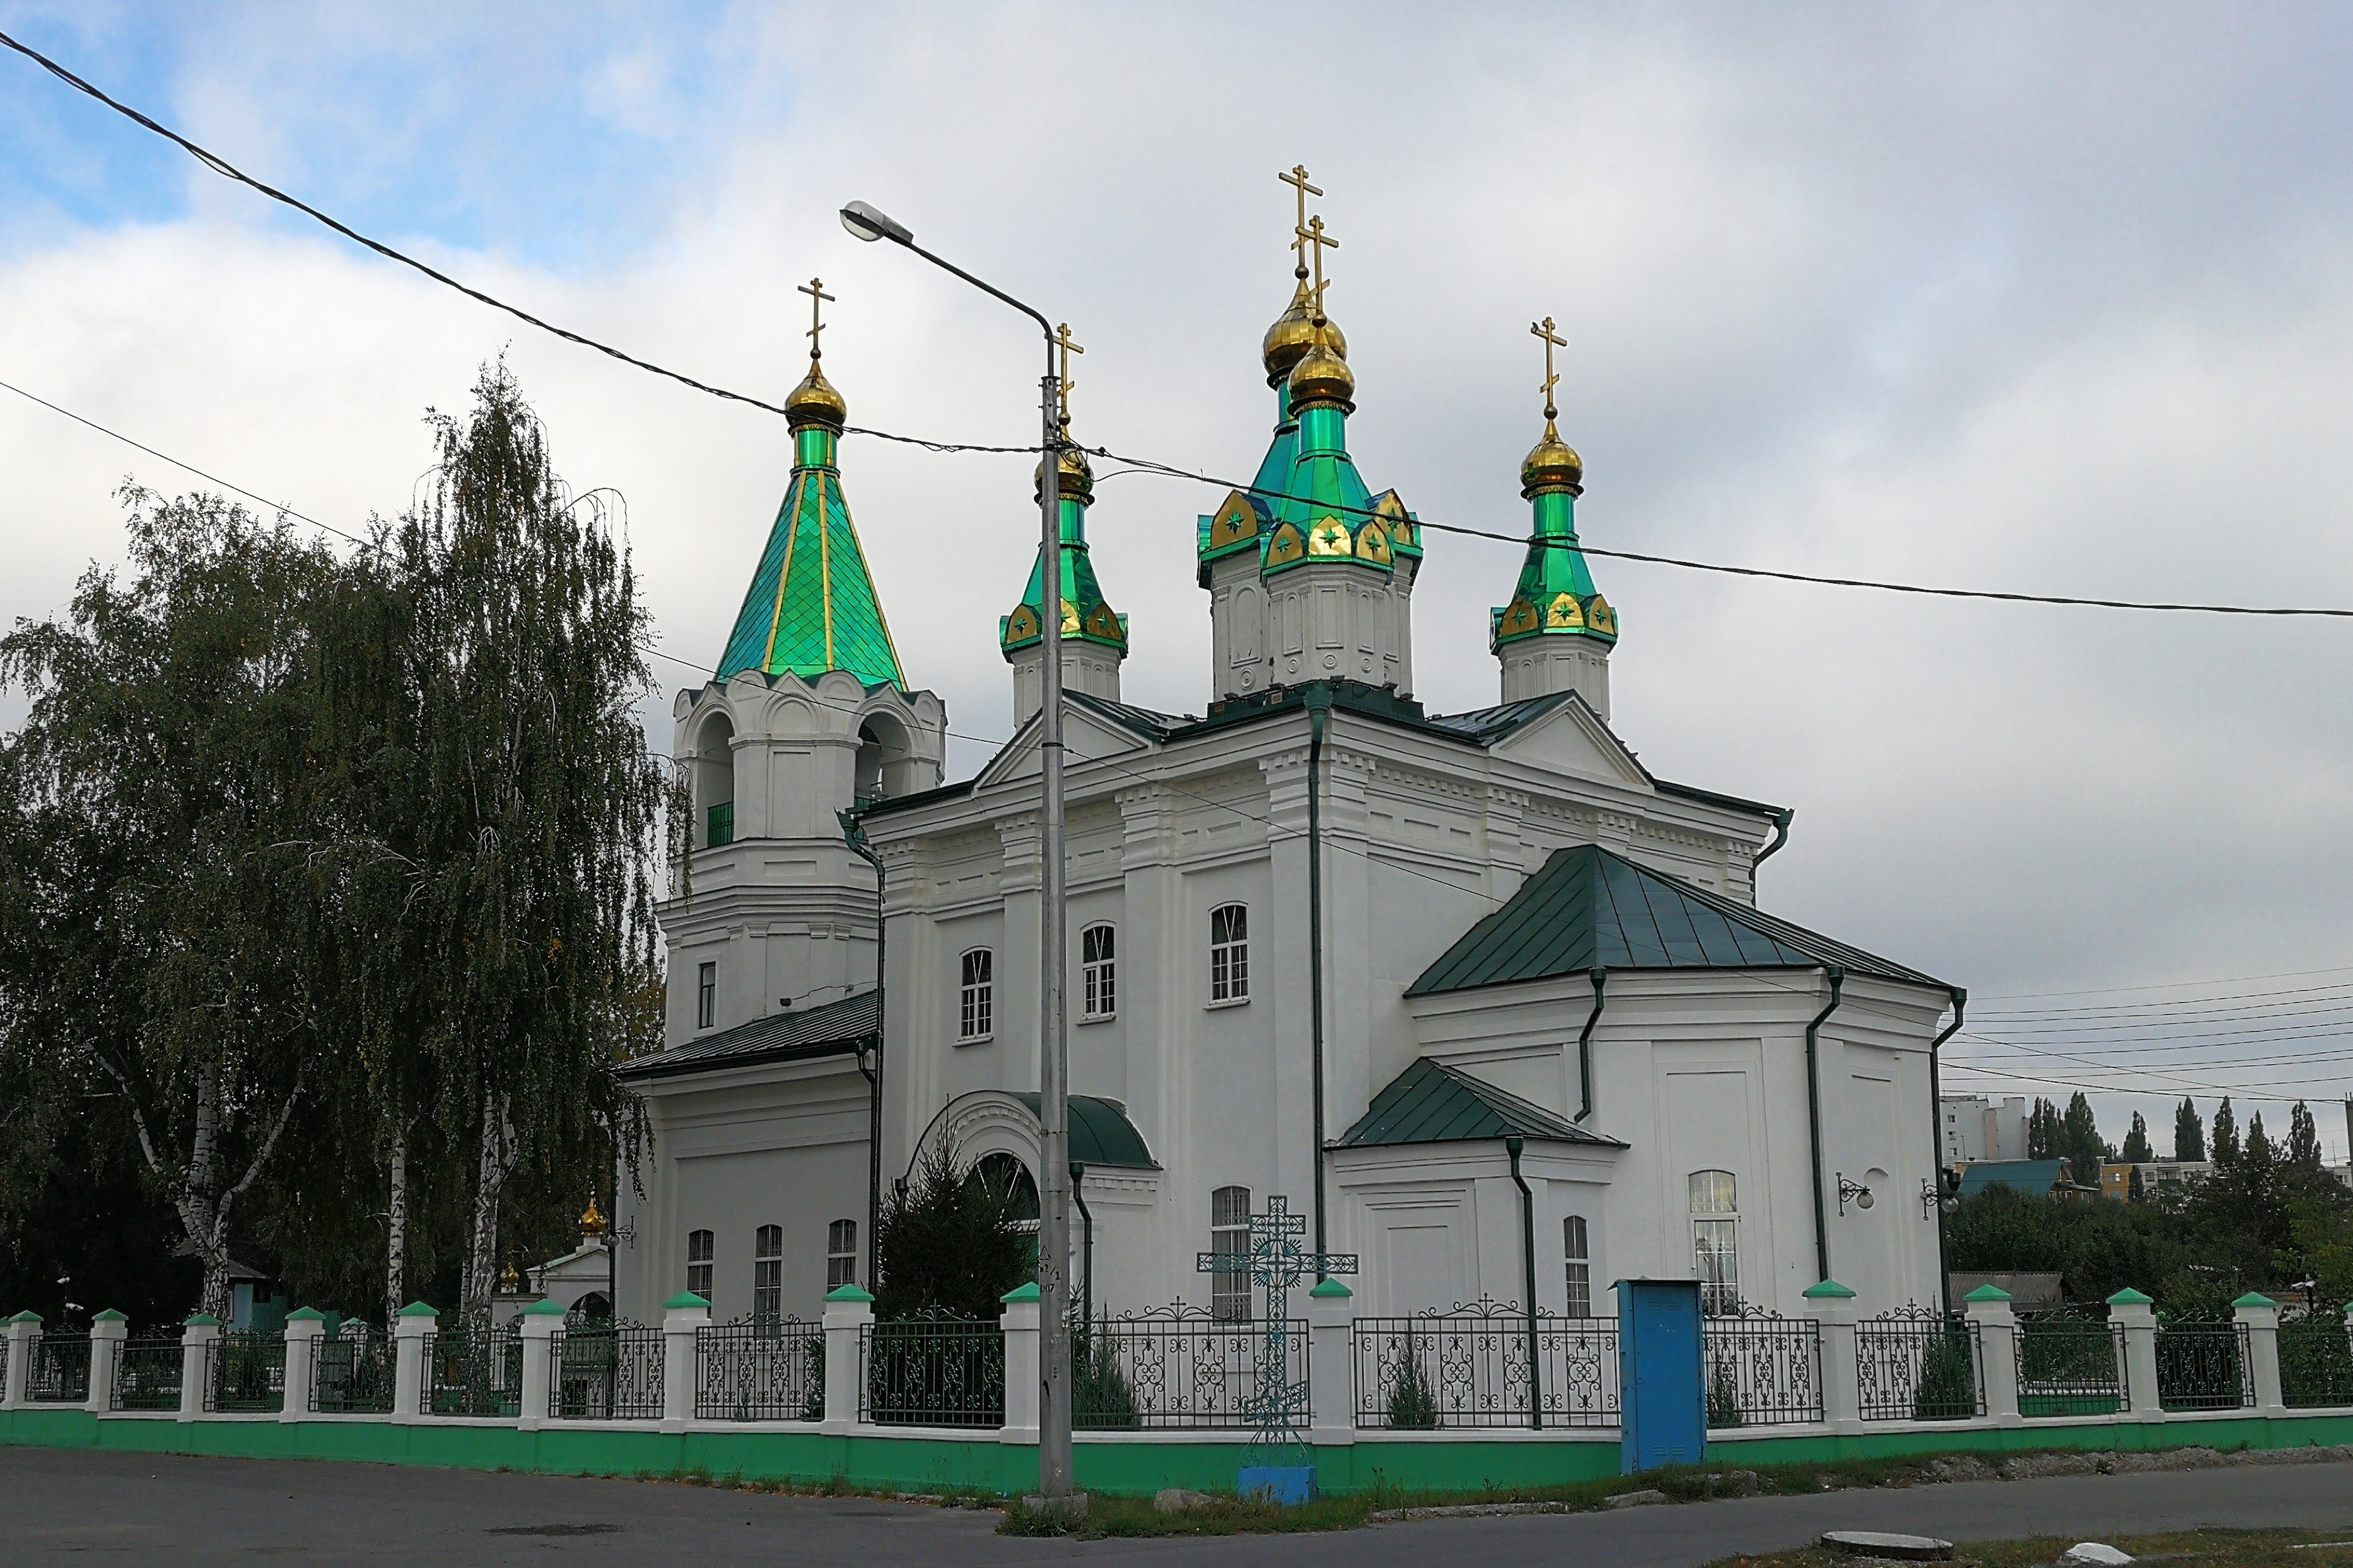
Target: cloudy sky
{"points": [[2043, 298]]}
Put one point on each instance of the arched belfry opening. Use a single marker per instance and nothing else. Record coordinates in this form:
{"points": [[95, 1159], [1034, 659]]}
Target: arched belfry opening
{"points": [[886, 759], [714, 783]]}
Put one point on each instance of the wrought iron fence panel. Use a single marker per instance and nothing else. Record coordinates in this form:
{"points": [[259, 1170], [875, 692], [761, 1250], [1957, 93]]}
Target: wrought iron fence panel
{"points": [[931, 1372], [2316, 1360], [1918, 1365], [759, 1369], [2070, 1364], [1175, 1367], [61, 1371], [1469, 1367], [471, 1369], [2203, 1365], [147, 1373], [1762, 1369], [246, 1371], [605, 1373], [354, 1373]]}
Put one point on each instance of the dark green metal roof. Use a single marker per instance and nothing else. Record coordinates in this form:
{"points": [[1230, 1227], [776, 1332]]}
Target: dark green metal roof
{"points": [[1101, 1134], [1432, 1103], [1586, 907], [836, 1029]]}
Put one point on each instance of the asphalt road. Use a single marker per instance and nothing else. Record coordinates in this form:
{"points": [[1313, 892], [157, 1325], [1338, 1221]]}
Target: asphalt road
{"points": [[138, 1509]]}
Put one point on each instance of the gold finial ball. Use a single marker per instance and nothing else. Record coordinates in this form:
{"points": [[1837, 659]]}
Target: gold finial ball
{"points": [[1321, 378], [1552, 464], [815, 402], [1292, 334], [1074, 476]]}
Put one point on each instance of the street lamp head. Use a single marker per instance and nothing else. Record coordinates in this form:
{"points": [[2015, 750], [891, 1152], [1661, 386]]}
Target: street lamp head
{"points": [[868, 224]]}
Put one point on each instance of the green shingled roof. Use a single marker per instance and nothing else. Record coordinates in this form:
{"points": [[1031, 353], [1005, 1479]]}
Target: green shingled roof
{"points": [[1432, 1103], [812, 605], [1101, 1134], [1587, 909]]}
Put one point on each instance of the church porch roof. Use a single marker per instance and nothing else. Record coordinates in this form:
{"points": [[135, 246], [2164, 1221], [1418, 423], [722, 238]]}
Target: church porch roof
{"points": [[836, 1028], [1431, 1102]]}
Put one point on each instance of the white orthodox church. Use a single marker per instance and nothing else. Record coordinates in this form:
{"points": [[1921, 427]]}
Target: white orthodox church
{"points": [[1476, 992]]}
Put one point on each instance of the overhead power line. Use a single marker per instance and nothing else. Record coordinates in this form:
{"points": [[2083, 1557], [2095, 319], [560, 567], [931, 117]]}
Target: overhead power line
{"points": [[228, 170]]}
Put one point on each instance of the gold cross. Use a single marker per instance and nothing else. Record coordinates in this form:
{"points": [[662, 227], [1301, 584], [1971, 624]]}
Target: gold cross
{"points": [[819, 298], [1297, 180], [1312, 234], [1063, 340], [1551, 341]]}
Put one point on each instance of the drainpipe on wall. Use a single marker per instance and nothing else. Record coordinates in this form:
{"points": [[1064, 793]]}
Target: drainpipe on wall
{"points": [[1780, 836], [1814, 1119], [1600, 978], [1086, 1243], [1937, 1143], [1512, 1147], [854, 835], [1319, 708]]}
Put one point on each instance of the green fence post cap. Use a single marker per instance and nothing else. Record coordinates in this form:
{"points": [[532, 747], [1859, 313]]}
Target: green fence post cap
{"points": [[543, 1308], [2128, 1297], [109, 1315], [2254, 1298], [26, 1318], [419, 1310], [306, 1315], [1329, 1288], [684, 1300], [1988, 1293], [1829, 1291], [848, 1293], [1021, 1293], [203, 1321]]}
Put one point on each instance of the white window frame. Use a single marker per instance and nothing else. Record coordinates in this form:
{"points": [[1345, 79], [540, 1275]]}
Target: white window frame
{"points": [[1575, 1248], [975, 996], [1715, 1240], [701, 1246], [840, 1254], [1230, 956], [1230, 1217], [768, 1274], [706, 994], [1099, 972]]}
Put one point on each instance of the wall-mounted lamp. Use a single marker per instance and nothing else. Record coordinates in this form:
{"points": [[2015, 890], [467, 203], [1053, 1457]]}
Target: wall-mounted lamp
{"points": [[1931, 1201], [1855, 1192]]}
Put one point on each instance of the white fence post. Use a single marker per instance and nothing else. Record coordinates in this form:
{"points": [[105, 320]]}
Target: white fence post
{"points": [[1019, 1323], [197, 1341], [107, 1332], [683, 1318], [24, 1340], [2138, 1314], [306, 1327], [409, 1332], [1990, 1313], [1834, 1305], [1332, 1362], [2258, 1314], [848, 1312], [541, 1321]]}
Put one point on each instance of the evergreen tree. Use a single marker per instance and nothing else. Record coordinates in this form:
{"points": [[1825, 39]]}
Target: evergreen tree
{"points": [[2258, 1154], [949, 1242], [2080, 1142], [2042, 1137], [2188, 1132], [2137, 1147], [2226, 1134], [2302, 1138]]}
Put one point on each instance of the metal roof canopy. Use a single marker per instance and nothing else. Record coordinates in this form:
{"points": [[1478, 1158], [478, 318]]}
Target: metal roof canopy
{"points": [[1586, 907], [836, 1029], [1431, 1102], [1101, 1134]]}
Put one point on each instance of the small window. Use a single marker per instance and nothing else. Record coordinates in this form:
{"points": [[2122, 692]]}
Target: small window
{"points": [[840, 1254], [768, 1273], [1715, 1240], [1580, 1267], [699, 1253], [976, 1002], [1230, 952], [1230, 1289], [706, 994], [1098, 971]]}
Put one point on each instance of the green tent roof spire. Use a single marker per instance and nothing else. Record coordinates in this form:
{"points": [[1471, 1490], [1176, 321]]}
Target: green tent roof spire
{"points": [[1086, 614], [812, 606], [1554, 596]]}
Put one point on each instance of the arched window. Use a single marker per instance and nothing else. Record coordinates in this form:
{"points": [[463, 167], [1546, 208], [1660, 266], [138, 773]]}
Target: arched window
{"points": [[699, 1249], [1098, 971], [715, 782], [1230, 952], [595, 1307], [1229, 1214], [840, 1254], [1580, 1266], [768, 1273], [885, 759], [1715, 1240], [977, 996], [1006, 1179]]}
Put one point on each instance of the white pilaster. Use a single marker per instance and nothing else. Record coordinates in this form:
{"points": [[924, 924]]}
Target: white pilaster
{"points": [[541, 1321], [2259, 1317], [196, 1342], [107, 1332], [24, 1335], [849, 1313], [683, 1316], [1990, 1312], [1834, 1305], [1331, 1364], [415, 1325], [2138, 1316], [306, 1328], [1018, 1322]]}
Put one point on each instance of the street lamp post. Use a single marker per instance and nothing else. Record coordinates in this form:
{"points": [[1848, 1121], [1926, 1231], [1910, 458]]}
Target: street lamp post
{"points": [[1055, 1480]]}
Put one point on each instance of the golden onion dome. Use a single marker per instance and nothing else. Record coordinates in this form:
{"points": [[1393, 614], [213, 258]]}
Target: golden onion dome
{"points": [[815, 402], [1075, 475], [1294, 333], [1552, 464], [1322, 377]]}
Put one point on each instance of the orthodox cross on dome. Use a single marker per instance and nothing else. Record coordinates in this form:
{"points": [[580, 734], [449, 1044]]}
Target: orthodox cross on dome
{"points": [[1551, 341], [1312, 233], [1069, 346], [1297, 178], [819, 299], [1276, 1262]]}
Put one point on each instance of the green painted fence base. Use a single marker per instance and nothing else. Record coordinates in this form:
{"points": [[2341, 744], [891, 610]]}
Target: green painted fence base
{"points": [[1126, 1467]]}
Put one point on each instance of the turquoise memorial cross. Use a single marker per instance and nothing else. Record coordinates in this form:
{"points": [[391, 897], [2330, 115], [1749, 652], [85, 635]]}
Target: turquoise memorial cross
{"points": [[1277, 1464]]}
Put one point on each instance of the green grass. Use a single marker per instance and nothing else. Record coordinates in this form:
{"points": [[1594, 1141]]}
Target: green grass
{"points": [[2188, 1549]]}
